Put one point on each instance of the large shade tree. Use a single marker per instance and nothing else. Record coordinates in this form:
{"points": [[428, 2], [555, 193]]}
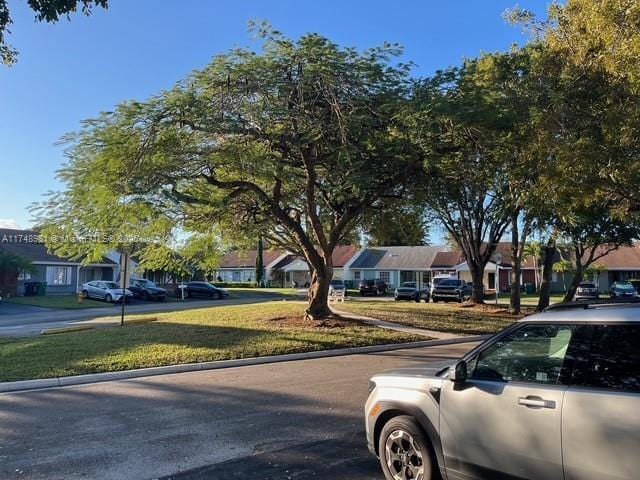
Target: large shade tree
{"points": [[296, 142], [592, 61], [467, 124]]}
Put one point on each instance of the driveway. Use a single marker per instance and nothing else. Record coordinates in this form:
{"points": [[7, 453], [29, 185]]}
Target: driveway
{"points": [[8, 309], [300, 420]]}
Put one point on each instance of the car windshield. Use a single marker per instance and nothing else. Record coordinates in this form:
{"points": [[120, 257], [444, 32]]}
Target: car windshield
{"points": [[587, 285], [409, 285], [625, 287], [111, 285], [145, 283], [449, 283], [337, 283]]}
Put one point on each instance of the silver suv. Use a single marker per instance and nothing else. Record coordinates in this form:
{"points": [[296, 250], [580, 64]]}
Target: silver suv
{"points": [[556, 396]]}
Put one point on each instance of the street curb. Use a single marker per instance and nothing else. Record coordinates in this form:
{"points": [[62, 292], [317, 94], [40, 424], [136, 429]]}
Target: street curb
{"points": [[75, 328], [46, 383]]}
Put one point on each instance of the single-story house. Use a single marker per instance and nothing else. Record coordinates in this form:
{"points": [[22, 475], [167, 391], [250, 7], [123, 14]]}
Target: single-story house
{"points": [[395, 265], [240, 265], [294, 270], [63, 276], [282, 268]]}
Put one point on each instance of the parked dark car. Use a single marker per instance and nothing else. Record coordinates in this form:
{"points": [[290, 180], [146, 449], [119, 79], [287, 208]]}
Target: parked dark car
{"points": [[451, 290], [622, 289], [202, 289], [587, 290], [372, 287], [146, 290]]}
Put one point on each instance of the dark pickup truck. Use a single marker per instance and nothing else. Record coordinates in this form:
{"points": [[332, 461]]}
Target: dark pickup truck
{"points": [[451, 290]]}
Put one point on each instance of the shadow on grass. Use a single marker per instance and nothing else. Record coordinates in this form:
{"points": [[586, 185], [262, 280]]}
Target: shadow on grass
{"points": [[167, 343]]}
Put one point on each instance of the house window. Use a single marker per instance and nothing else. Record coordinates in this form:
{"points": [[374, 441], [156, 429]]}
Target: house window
{"points": [[24, 275], [236, 276], [59, 275], [385, 277], [356, 275]]}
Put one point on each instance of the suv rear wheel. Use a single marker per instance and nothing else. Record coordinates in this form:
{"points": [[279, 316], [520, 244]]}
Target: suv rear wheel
{"points": [[404, 451]]}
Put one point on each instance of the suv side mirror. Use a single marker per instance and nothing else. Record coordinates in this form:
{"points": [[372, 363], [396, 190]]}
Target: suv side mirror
{"points": [[459, 372]]}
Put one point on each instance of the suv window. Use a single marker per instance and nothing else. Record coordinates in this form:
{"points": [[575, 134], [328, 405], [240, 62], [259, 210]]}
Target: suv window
{"points": [[531, 354], [615, 358]]}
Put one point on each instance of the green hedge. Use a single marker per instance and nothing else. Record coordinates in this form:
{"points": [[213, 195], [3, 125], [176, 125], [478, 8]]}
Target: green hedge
{"points": [[235, 284]]}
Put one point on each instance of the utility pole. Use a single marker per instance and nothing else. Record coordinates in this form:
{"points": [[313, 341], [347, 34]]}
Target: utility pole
{"points": [[124, 286]]}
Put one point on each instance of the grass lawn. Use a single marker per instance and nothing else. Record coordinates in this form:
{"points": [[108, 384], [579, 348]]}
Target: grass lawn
{"points": [[529, 299], [442, 317], [57, 301], [259, 292], [217, 333]]}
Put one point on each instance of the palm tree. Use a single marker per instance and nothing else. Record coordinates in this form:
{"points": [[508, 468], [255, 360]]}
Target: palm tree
{"points": [[534, 250], [595, 270], [563, 267]]}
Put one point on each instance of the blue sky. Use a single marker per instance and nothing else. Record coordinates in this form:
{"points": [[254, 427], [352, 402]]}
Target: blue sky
{"points": [[73, 70]]}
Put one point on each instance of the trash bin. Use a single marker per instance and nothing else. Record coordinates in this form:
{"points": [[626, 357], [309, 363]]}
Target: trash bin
{"points": [[29, 289], [41, 289], [529, 288]]}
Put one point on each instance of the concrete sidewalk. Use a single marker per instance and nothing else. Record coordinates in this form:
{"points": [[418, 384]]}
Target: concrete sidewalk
{"points": [[434, 334]]}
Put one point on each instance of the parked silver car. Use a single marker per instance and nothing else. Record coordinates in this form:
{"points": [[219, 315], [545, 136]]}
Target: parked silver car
{"points": [[107, 291], [556, 396]]}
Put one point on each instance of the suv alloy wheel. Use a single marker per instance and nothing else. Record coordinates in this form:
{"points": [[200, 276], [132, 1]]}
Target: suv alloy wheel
{"points": [[404, 450]]}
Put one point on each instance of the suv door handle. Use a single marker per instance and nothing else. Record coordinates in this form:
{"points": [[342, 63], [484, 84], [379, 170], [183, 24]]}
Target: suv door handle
{"points": [[533, 401]]}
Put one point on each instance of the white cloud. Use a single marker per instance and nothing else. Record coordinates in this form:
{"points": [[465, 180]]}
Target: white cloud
{"points": [[9, 223]]}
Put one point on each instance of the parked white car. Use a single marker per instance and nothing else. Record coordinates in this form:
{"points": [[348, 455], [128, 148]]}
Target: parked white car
{"points": [[107, 291]]}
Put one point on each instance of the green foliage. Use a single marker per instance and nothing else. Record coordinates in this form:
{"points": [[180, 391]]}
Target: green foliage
{"points": [[397, 224], [203, 252], [47, 11], [563, 266], [589, 123], [15, 263]]}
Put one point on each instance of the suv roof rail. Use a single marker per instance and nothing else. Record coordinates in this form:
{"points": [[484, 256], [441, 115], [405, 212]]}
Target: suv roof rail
{"points": [[586, 304]]}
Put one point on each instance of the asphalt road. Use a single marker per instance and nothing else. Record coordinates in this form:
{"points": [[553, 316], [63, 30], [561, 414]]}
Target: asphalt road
{"points": [[25, 320], [296, 420]]}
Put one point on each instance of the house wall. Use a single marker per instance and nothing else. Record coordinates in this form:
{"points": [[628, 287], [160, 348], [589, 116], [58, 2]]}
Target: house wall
{"points": [[40, 275], [88, 274], [237, 275]]}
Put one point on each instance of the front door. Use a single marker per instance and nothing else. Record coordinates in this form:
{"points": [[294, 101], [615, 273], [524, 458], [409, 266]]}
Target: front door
{"points": [[601, 413], [491, 280], [505, 421]]}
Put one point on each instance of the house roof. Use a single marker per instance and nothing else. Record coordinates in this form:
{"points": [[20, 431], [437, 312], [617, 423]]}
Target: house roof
{"points": [[342, 254], [447, 259], [247, 258], [397, 258], [624, 258], [28, 244]]}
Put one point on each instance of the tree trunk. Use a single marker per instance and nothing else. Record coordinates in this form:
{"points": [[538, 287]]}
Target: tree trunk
{"points": [[318, 308], [477, 274], [548, 255], [573, 286], [514, 300], [516, 266]]}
